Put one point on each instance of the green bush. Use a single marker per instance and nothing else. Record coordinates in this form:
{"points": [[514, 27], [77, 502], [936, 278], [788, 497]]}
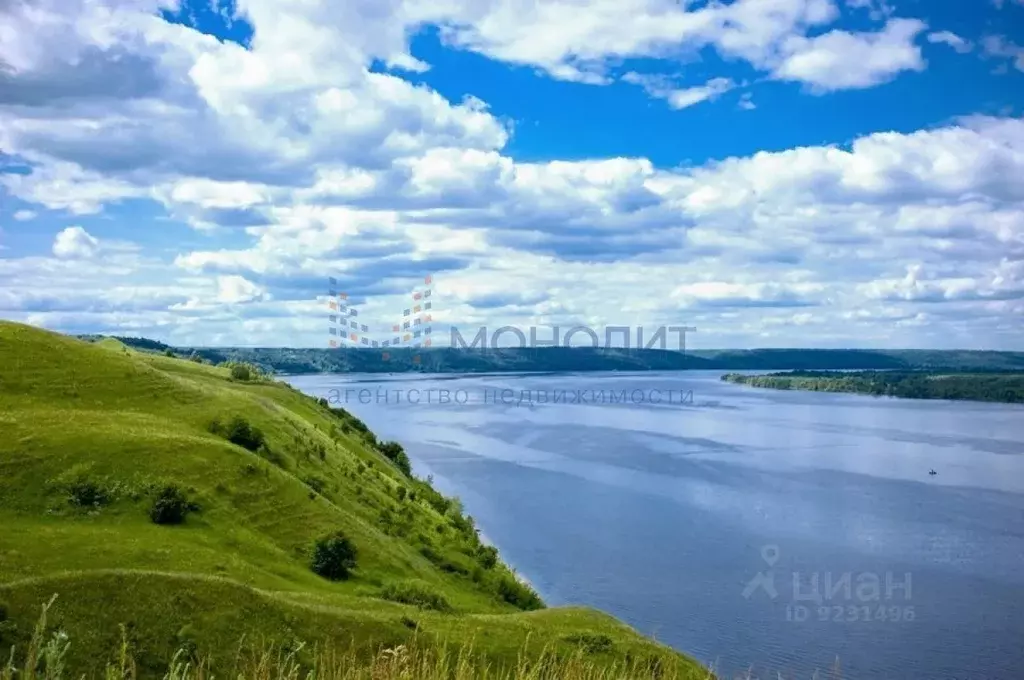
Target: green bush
{"points": [[518, 594], [240, 432], [168, 352], [8, 629], [317, 484], [171, 506], [334, 556], [271, 455], [240, 372], [488, 556], [416, 593], [591, 643], [435, 499], [85, 493], [394, 452]]}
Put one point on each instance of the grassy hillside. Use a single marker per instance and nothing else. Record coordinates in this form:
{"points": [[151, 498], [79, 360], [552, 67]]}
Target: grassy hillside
{"points": [[94, 435]]}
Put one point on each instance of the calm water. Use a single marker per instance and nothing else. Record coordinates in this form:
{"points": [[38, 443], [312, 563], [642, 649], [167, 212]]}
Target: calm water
{"points": [[692, 522]]}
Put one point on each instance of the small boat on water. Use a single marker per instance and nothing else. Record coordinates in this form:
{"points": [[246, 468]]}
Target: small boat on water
{"points": [[932, 472]]}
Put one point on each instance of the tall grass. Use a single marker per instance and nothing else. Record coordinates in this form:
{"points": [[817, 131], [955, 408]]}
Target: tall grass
{"points": [[418, 660]]}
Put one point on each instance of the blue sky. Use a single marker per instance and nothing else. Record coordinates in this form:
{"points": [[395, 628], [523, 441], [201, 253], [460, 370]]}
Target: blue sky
{"points": [[826, 173]]}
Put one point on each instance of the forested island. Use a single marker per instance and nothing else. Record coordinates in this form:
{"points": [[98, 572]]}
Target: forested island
{"points": [[1006, 387]]}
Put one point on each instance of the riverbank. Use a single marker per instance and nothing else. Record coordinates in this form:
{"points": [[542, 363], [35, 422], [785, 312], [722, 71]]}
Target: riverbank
{"points": [[186, 514], [988, 387]]}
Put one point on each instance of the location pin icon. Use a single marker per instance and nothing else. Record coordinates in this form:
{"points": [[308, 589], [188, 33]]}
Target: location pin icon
{"points": [[770, 554]]}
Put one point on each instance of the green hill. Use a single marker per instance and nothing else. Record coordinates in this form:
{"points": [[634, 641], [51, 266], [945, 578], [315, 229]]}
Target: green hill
{"points": [[98, 441]]}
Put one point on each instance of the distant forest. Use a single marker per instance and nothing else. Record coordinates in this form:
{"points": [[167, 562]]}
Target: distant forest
{"points": [[975, 386], [573, 359]]}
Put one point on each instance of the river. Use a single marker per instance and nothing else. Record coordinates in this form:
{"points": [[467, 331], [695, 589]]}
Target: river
{"points": [[745, 527]]}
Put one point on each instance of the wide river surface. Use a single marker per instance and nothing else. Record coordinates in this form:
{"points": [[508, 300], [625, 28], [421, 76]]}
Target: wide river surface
{"points": [[750, 528]]}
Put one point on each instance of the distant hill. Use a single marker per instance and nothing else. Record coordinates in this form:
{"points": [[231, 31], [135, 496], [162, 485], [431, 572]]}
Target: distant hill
{"points": [[921, 384], [199, 509], [573, 359]]}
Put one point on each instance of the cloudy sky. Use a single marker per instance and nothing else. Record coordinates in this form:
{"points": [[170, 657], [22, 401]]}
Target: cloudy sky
{"points": [[777, 173]]}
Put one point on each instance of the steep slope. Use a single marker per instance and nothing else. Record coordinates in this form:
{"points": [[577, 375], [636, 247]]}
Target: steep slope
{"points": [[91, 434]]}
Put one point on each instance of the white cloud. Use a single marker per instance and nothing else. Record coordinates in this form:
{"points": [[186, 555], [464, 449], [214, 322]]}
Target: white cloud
{"points": [[841, 60], [1000, 47], [321, 167], [235, 289], [662, 87], [952, 39], [821, 227], [1005, 282], [877, 9], [75, 243], [24, 215]]}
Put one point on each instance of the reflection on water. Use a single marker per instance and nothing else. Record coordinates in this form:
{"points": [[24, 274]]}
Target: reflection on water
{"points": [[709, 524]]}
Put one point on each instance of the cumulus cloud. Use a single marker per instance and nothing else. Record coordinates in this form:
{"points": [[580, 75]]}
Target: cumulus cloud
{"points": [[235, 289], [1006, 282], [24, 215], [75, 242], [841, 60], [300, 162]]}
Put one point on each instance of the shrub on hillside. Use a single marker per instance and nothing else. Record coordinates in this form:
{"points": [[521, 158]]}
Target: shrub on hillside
{"points": [[417, 594], [85, 493], [239, 431], [334, 556], [240, 372], [394, 452], [465, 524], [168, 352], [7, 628], [171, 506], [435, 499], [271, 455], [518, 594], [487, 556], [318, 484], [591, 643]]}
